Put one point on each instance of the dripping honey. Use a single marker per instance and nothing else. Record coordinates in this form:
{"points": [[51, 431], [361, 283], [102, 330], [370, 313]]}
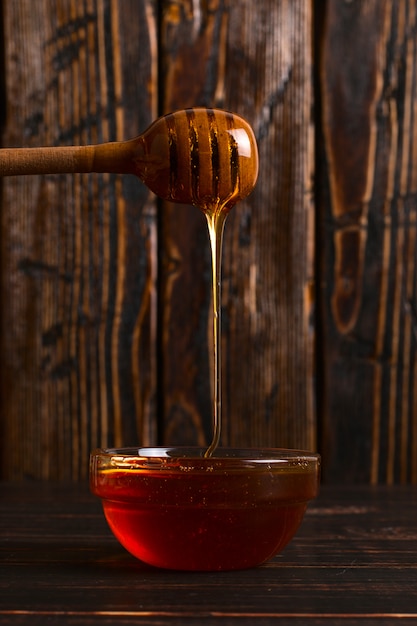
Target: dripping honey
{"points": [[207, 158], [206, 509]]}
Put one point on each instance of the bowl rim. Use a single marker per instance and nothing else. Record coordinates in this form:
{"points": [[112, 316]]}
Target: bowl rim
{"points": [[198, 452], [192, 457]]}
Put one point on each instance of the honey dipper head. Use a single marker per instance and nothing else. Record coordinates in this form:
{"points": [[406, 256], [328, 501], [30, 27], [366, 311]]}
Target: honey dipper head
{"points": [[199, 156]]}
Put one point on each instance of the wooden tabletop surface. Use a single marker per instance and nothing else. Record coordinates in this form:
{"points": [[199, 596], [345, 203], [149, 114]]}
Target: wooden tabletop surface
{"points": [[354, 561]]}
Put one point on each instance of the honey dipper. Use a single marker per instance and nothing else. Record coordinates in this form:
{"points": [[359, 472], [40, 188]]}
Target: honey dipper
{"points": [[193, 156]]}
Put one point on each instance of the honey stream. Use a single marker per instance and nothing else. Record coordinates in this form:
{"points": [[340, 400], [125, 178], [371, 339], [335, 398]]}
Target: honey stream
{"points": [[209, 158], [215, 223]]}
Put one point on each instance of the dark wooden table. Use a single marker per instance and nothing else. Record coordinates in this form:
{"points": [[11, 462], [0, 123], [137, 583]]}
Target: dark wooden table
{"points": [[354, 561]]}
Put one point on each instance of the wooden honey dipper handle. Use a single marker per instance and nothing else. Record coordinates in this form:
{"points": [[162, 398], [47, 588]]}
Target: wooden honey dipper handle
{"points": [[109, 157]]}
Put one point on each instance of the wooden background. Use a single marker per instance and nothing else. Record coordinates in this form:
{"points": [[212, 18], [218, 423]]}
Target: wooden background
{"points": [[105, 291]]}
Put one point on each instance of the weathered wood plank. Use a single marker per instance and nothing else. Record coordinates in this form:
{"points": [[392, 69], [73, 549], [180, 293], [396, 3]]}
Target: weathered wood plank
{"points": [[78, 252], [351, 562], [368, 232], [254, 59]]}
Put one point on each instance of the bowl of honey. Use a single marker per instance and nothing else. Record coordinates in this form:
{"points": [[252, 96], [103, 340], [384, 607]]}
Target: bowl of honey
{"points": [[176, 508]]}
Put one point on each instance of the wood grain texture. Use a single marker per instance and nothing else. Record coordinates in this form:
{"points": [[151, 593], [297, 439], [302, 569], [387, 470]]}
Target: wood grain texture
{"points": [[368, 218], [105, 322], [78, 252], [254, 59], [351, 562]]}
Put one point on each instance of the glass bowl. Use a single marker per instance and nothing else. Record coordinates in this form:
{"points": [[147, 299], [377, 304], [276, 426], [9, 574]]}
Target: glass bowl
{"points": [[173, 508]]}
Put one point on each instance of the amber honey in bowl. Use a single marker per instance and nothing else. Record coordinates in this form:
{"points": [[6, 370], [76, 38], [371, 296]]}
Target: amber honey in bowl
{"points": [[174, 508]]}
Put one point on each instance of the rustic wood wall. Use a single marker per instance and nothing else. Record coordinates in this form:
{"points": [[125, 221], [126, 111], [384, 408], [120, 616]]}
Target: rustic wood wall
{"points": [[105, 290], [367, 234]]}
